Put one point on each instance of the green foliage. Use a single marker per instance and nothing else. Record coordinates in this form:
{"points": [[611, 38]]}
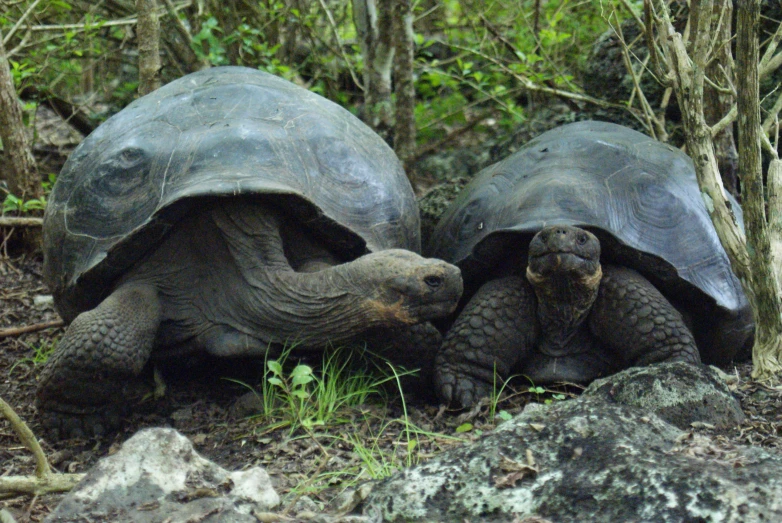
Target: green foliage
{"points": [[298, 396], [41, 353], [546, 396], [478, 62], [472, 57], [15, 205], [210, 44]]}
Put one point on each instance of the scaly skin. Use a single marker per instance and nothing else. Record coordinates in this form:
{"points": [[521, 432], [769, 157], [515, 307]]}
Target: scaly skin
{"points": [[221, 283], [80, 390], [570, 320]]}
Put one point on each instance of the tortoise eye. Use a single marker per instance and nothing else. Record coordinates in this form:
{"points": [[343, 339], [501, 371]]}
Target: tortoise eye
{"points": [[433, 281], [582, 239]]}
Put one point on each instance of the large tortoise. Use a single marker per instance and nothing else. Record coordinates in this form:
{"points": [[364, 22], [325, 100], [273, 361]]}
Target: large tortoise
{"points": [[587, 251], [227, 212]]}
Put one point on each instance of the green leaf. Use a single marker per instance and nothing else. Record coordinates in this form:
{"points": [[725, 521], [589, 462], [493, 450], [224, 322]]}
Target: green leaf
{"points": [[301, 370], [275, 381], [504, 415], [464, 427], [301, 380], [275, 367]]}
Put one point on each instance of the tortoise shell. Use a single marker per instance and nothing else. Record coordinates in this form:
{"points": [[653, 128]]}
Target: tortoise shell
{"points": [[639, 196], [221, 132]]}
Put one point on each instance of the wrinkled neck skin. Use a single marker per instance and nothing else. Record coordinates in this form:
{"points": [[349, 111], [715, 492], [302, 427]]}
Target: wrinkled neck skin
{"points": [[281, 305], [334, 304], [564, 302]]}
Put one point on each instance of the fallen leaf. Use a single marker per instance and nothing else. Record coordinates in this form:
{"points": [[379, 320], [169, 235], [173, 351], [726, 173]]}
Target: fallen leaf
{"points": [[508, 480]]}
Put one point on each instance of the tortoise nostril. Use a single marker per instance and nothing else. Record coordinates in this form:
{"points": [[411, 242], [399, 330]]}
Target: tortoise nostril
{"points": [[433, 281]]}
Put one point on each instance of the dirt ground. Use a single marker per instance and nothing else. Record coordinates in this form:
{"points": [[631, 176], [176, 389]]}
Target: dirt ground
{"points": [[213, 412]]}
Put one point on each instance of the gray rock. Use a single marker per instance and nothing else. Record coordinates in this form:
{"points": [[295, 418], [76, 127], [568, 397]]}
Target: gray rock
{"points": [[587, 460], [158, 476], [680, 393]]}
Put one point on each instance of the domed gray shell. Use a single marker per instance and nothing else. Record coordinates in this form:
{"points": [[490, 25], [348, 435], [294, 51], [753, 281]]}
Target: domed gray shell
{"points": [[639, 193], [223, 131]]}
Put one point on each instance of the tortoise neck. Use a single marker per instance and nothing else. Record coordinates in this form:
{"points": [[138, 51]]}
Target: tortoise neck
{"points": [[312, 305], [325, 305], [564, 302]]}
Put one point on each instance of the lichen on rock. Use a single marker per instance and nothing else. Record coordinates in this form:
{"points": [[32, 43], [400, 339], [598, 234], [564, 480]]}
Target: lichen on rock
{"points": [[586, 460]]}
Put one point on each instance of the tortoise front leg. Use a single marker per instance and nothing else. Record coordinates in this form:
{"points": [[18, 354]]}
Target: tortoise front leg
{"points": [[495, 331], [412, 348], [633, 319], [80, 392]]}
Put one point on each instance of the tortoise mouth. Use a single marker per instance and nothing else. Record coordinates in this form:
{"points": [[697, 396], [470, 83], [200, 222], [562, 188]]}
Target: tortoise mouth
{"points": [[562, 262], [561, 252]]}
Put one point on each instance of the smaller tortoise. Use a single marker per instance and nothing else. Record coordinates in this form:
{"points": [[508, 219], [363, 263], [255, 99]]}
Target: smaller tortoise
{"points": [[588, 251], [228, 212]]}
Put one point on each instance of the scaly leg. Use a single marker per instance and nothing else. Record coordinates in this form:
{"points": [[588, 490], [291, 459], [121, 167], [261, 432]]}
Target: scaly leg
{"points": [[632, 318], [80, 392], [496, 330]]}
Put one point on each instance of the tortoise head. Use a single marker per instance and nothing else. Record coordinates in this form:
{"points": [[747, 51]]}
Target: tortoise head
{"points": [[564, 258], [403, 288]]}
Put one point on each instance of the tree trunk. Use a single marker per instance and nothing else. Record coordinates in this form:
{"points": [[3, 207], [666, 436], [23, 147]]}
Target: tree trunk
{"points": [[148, 38], [372, 19], [767, 351], [21, 175], [750, 259], [717, 102], [404, 88], [687, 77]]}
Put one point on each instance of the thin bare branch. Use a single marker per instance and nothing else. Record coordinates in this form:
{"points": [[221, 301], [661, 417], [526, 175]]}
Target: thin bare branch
{"points": [[340, 47], [656, 54], [21, 45], [184, 34], [631, 10], [771, 47], [532, 86], [160, 11], [773, 115], [20, 21], [656, 130], [13, 221], [17, 331]]}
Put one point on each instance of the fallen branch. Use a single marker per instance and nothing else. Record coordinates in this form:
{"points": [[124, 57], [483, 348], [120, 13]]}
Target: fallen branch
{"points": [[16, 331], [44, 481], [14, 221]]}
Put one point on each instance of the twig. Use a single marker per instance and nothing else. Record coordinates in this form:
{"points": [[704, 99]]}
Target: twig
{"points": [[14, 221], [334, 29], [532, 86], [638, 21], [160, 11], [184, 33], [663, 74], [452, 135], [45, 480], [16, 331], [768, 55], [323, 462], [655, 128], [773, 114], [19, 22]]}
